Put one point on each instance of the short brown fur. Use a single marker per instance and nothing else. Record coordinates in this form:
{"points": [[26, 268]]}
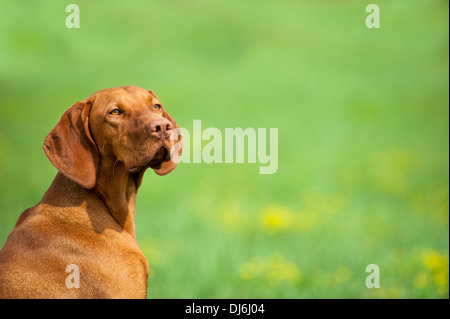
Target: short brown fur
{"points": [[87, 215]]}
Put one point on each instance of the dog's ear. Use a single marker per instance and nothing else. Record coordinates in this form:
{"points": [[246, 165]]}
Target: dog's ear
{"points": [[71, 148], [176, 138]]}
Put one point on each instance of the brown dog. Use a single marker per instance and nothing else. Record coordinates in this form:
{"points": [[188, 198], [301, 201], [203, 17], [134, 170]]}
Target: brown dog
{"points": [[79, 240]]}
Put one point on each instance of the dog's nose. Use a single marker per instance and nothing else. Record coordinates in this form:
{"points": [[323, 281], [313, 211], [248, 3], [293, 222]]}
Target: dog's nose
{"points": [[160, 128]]}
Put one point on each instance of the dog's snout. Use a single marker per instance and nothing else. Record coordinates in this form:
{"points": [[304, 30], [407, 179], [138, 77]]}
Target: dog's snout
{"points": [[161, 128]]}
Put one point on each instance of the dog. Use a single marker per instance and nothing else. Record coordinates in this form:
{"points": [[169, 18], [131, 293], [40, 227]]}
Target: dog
{"points": [[79, 240]]}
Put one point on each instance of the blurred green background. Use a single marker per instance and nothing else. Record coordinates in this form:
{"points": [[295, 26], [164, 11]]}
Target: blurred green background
{"points": [[362, 117]]}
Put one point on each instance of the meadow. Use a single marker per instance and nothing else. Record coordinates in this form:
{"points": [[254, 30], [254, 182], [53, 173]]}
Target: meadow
{"points": [[363, 137]]}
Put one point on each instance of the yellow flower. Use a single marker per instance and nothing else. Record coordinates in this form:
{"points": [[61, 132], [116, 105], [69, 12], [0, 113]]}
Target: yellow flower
{"points": [[438, 264], [281, 271], [317, 209], [435, 261], [275, 219], [441, 278]]}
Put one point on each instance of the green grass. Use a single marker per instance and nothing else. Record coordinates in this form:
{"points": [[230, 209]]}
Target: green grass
{"points": [[363, 122]]}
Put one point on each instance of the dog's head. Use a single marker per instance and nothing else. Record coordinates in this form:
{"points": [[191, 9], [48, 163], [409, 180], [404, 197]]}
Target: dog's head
{"points": [[126, 125]]}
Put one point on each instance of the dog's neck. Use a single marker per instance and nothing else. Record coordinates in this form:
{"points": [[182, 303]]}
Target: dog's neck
{"points": [[117, 187]]}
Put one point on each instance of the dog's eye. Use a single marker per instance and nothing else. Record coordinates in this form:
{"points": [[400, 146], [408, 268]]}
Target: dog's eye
{"points": [[116, 112], [157, 107]]}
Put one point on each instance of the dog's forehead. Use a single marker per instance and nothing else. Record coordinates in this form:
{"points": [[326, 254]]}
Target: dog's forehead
{"points": [[127, 95]]}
